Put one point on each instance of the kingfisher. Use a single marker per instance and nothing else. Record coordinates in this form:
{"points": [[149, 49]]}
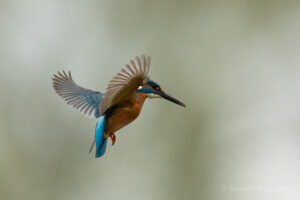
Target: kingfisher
{"points": [[121, 103]]}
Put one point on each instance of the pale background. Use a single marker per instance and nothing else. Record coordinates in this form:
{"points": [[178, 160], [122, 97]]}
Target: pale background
{"points": [[235, 64]]}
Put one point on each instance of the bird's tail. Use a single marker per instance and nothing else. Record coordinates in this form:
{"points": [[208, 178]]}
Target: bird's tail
{"points": [[99, 137]]}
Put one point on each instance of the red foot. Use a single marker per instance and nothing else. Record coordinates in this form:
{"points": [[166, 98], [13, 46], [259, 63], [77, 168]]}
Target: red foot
{"points": [[113, 138]]}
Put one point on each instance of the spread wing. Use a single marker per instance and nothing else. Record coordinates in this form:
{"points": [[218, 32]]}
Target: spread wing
{"points": [[124, 85], [84, 100]]}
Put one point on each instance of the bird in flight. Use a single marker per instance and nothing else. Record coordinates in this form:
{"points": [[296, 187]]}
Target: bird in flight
{"points": [[121, 103]]}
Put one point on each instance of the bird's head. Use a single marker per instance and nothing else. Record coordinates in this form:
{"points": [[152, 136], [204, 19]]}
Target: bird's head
{"points": [[153, 90]]}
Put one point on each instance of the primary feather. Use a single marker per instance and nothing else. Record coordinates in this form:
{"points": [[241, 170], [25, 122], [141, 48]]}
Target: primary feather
{"points": [[124, 85], [84, 100]]}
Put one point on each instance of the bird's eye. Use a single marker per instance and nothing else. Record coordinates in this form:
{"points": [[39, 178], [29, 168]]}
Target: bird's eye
{"points": [[157, 88]]}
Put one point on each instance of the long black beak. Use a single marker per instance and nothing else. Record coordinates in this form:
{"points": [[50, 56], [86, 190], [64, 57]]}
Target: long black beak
{"points": [[168, 97]]}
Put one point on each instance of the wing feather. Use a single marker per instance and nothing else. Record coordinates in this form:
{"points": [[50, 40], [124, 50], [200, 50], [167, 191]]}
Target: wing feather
{"points": [[84, 100], [123, 86]]}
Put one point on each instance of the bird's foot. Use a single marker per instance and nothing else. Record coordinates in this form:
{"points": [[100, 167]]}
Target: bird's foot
{"points": [[113, 138]]}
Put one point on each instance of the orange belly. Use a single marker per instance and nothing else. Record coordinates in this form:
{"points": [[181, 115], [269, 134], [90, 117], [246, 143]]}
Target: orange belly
{"points": [[124, 114], [120, 118]]}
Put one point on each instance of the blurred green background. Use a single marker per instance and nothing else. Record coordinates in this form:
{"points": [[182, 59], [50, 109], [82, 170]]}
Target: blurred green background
{"points": [[235, 64]]}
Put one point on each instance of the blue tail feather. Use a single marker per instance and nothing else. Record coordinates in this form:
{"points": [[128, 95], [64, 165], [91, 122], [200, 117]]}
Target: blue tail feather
{"points": [[99, 137]]}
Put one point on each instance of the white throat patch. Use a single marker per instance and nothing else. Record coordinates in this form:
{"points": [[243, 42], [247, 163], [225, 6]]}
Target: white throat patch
{"points": [[151, 96]]}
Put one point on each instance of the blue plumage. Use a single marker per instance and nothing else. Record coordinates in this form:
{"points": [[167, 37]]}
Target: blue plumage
{"points": [[99, 137], [153, 89], [146, 90], [85, 100], [152, 84], [117, 107], [93, 98]]}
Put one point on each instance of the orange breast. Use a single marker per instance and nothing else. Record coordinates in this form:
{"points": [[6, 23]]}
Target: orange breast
{"points": [[125, 113]]}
